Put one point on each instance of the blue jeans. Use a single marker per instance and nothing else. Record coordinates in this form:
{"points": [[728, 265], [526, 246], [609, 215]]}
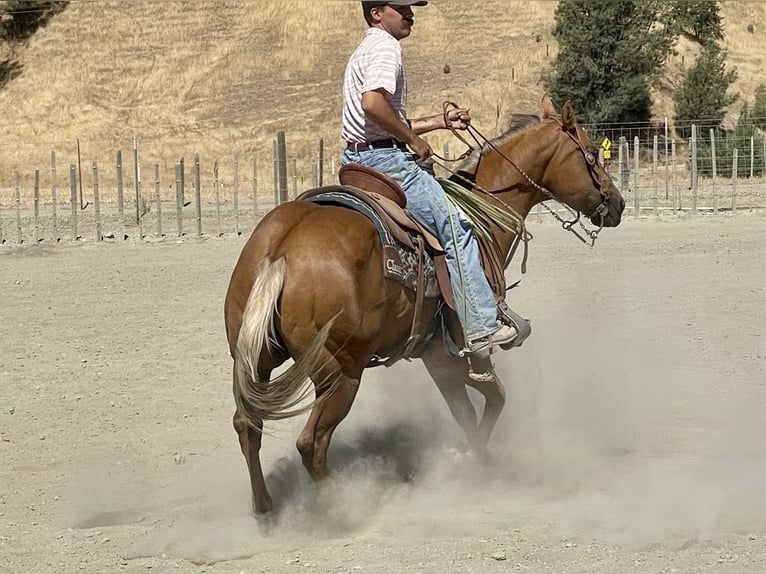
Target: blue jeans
{"points": [[428, 203]]}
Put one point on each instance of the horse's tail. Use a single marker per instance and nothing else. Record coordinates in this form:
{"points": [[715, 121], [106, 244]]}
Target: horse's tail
{"points": [[282, 396]]}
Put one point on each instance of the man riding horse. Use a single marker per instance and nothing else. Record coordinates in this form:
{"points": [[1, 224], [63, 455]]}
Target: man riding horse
{"points": [[378, 135]]}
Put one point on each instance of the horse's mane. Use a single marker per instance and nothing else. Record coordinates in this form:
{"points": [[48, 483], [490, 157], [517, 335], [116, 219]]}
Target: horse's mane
{"points": [[518, 123]]}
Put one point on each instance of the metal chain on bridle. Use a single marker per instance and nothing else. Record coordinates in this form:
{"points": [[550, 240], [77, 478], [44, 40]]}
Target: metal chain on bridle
{"points": [[590, 235]]}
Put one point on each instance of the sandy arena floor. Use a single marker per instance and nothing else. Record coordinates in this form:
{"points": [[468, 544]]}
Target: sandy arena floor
{"points": [[633, 440]]}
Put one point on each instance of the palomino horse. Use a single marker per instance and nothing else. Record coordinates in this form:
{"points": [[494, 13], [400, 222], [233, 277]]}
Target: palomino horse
{"points": [[309, 286]]}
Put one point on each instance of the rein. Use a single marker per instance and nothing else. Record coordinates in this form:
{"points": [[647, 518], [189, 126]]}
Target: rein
{"points": [[590, 235]]}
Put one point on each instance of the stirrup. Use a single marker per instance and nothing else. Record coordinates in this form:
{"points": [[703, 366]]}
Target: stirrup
{"points": [[523, 326]]}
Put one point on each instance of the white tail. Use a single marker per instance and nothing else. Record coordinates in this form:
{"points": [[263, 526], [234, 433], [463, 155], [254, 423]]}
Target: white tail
{"points": [[281, 397]]}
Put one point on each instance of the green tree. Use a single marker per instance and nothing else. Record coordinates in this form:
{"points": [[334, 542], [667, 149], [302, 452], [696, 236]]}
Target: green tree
{"points": [[19, 19], [741, 138], [759, 107], [702, 93], [699, 19], [610, 52]]}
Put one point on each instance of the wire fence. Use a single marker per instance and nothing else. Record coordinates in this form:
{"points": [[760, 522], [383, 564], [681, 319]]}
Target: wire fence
{"points": [[129, 200]]}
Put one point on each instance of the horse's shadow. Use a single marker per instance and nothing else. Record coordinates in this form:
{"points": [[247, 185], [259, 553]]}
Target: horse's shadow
{"points": [[395, 455]]}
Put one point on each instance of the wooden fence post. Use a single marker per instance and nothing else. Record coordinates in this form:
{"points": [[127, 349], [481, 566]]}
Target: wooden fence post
{"points": [[282, 166], [255, 188], [636, 201], [734, 177], [714, 165], [158, 199], [73, 198], [752, 157], [36, 199], [655, 183], [137, 179], [667, 194], [235, 194], [179, 199], [97, 203], [54, 198], [197, 195], [19, 235], [321, 162], [120, 196], [294, 177], [217, 185], [275, 155]]}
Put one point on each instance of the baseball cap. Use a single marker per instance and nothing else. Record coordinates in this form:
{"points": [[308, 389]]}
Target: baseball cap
{"points": [[375, 3]]}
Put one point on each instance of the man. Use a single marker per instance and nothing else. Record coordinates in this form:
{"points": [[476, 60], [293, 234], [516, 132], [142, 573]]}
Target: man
{"points": [[378, 133]]}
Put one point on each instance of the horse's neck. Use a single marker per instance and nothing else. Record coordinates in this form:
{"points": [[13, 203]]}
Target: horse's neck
{"points": [[512, 189]]}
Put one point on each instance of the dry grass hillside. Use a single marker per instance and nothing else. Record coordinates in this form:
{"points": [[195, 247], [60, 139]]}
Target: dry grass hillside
{"points": [[222, 77]]}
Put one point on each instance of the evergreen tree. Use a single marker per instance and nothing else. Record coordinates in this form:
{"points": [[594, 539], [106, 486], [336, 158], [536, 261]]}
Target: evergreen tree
{"points": [[702, 93], [610, 52], [759, 107], [698, 19]]}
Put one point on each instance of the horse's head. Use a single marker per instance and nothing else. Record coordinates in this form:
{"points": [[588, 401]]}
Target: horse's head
{"points": [[573, 174]]}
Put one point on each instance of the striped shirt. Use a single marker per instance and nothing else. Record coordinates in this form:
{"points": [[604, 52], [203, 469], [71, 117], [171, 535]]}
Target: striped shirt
{"points": [[375, 64]]}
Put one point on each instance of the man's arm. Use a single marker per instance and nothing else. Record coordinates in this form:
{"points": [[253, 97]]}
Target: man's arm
{"points": [[459, 118], [376, 106]]}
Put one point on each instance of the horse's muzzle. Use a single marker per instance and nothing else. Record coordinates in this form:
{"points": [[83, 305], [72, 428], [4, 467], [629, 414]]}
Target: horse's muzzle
{"points": [[609, 213]]}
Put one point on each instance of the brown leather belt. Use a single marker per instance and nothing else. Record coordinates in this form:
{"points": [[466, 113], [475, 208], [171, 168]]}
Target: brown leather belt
{"points": [[377, 144]]}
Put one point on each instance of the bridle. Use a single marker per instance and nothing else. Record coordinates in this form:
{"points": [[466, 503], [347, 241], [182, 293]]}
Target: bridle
{"points": [[596, 172]]}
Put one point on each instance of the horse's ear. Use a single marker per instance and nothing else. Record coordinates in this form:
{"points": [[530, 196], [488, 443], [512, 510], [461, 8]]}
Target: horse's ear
{"points": [[568, 117], [548, 108]]}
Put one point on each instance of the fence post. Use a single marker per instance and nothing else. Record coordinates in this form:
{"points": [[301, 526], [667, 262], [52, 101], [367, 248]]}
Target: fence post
{"points": [[636, 204], [734, 176], [623, 165], [197, 195], [275, 156], [179, 199], [655, 183], [97, 203], [137, 176], [19, 235], [321, 162], [676, 195], [36, 200], [54, 198], [694, 181], [282, 165], [73, 198], [217, 185], [667, 194], [714, 165], [120, 195], [235, 193], [294, 177], [158, 199], [255, 188]]}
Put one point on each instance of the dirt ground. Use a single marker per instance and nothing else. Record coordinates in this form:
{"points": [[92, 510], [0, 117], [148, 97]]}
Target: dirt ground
{"points": [[633, 440]]}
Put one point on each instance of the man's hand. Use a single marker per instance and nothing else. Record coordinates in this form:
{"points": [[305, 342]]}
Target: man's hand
{"points": [[458, 118], [420, 148]]}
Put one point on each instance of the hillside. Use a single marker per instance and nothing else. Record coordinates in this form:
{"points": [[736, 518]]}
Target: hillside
{"points": [[220, 78]]}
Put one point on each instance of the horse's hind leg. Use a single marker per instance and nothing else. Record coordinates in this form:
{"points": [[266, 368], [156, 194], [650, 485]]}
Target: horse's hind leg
{"points": [[325, 417], [250, 444]]}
